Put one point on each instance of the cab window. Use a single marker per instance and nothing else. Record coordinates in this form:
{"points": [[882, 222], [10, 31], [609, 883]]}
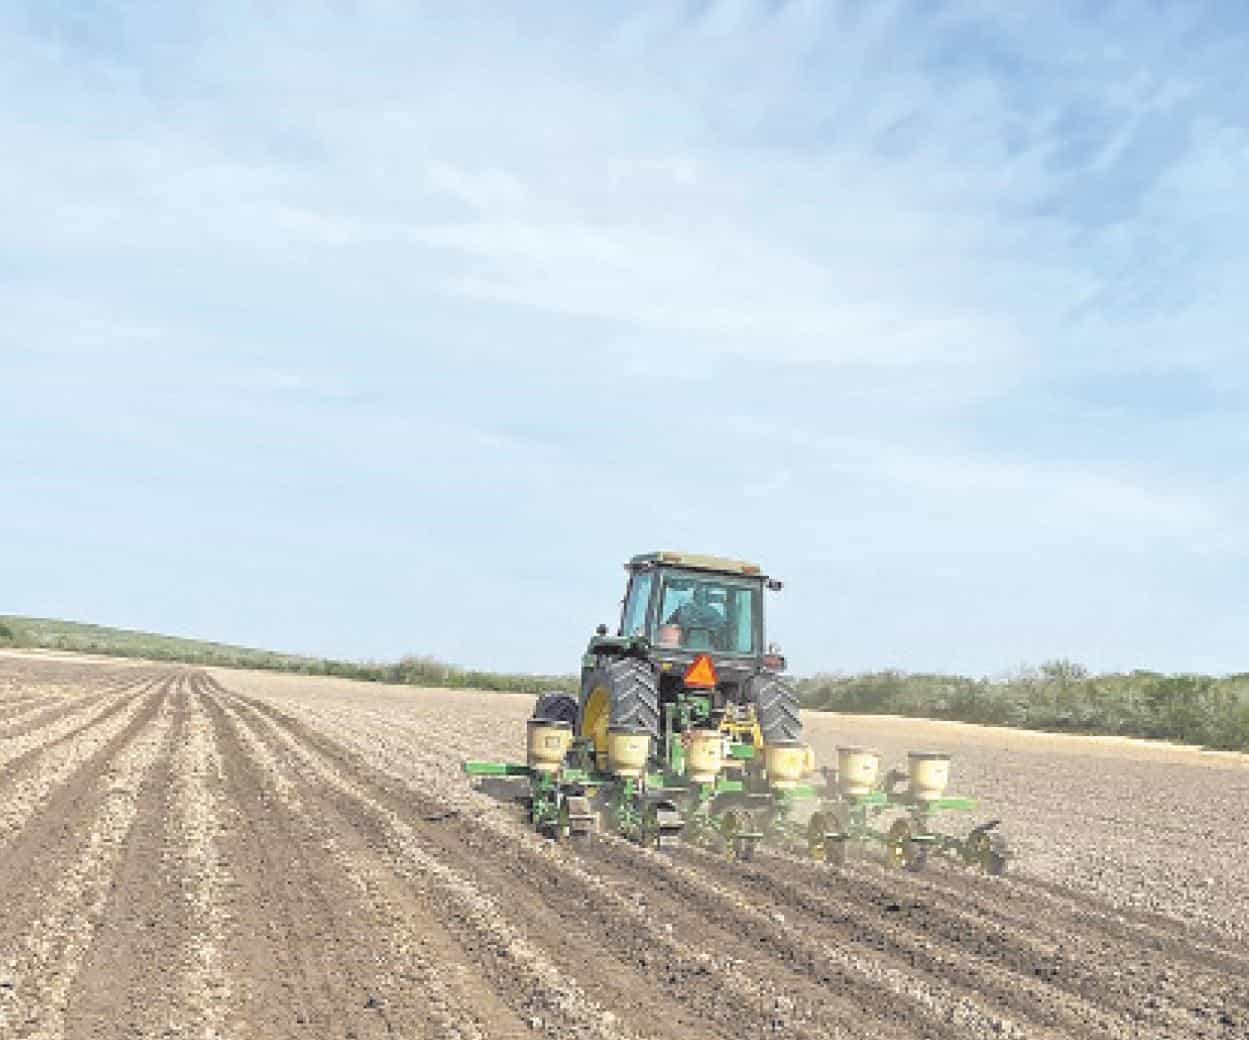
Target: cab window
{"points": [[701, 612], [636, 603]]}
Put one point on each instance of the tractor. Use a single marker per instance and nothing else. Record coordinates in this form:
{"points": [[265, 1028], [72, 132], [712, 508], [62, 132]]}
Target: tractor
{"points": [[685, 729], [689, 654]]}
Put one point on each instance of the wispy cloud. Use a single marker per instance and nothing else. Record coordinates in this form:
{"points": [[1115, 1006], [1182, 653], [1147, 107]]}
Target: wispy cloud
{"points": [[916, 303]]}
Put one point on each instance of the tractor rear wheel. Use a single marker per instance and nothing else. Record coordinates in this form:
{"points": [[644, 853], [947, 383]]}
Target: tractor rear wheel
{"points": [[621, 692], [635, 694], [776, 708]]}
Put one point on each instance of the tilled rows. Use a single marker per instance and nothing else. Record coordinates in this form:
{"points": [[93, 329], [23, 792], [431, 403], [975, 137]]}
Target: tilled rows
{"points": [[222, 855]]}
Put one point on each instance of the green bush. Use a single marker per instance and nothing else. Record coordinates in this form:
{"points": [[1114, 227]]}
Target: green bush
{"points": [[1060, 695]]}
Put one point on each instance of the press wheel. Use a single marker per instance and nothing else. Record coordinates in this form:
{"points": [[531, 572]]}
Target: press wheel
{"points": [[825, 838], [733, 823], [901, 851], [989, 853]]}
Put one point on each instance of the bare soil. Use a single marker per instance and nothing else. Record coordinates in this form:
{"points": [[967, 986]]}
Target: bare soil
{"points": [[232, 854]]}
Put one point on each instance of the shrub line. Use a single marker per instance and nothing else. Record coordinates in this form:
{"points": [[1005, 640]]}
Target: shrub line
{"points": [[1059, 696]]}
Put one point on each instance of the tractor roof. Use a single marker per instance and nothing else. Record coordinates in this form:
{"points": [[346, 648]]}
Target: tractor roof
{"points": [[697, 561]]}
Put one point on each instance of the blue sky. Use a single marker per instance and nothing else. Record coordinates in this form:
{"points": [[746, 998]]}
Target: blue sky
{"points": [[372, 328]]}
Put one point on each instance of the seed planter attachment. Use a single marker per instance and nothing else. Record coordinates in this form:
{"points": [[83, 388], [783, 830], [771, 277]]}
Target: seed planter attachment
{"points": [[737, 810], [685, 729]]}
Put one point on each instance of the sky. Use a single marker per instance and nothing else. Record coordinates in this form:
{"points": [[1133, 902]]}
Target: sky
{"points": [[364, 329]]}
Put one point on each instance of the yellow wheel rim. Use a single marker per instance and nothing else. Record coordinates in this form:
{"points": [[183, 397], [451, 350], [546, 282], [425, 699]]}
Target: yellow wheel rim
{"points": [[595, 719]]}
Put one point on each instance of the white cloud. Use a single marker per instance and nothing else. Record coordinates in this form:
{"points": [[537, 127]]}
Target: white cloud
{"points": [[503, 265]]}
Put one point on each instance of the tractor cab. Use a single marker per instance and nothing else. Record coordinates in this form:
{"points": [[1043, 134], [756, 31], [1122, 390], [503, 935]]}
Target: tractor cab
{"points": [[682, 608], [689, 653], [685, 606]]}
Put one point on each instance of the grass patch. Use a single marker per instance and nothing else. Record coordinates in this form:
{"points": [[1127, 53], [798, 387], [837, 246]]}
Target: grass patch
{"points": [[73, 636]]}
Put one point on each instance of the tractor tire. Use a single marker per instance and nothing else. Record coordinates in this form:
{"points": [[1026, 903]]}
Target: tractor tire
{"points": [[633, 689], [558, 707], [634, 694], [776, 708]]}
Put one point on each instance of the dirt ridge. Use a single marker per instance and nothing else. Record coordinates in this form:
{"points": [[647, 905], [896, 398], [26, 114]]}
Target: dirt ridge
{"points": [[193, 853]]}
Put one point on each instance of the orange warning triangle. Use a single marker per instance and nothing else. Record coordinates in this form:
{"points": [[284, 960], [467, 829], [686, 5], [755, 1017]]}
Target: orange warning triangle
{"points": [[701, 673]]}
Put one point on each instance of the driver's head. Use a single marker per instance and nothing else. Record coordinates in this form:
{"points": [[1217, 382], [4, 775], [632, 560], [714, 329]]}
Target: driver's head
{"points": [[700, 595]]}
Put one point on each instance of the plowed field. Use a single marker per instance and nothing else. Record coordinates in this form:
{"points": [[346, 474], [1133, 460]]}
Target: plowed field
{"points": [[230, 854]]}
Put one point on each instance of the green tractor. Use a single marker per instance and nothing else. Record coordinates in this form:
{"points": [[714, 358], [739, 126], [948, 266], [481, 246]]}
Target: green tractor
{"points": [[684, 728], [689, 654]]}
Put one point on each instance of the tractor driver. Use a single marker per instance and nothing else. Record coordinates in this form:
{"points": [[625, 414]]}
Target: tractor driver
{"points": [[698, 613]]}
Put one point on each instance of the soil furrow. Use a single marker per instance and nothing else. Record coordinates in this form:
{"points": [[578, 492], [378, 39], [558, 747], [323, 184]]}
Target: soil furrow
{"points": [[143, 928], [1016, 988], [204, 873], [415, 978], [1179, 939], [517, 965], [17, 751], [816, 963], [825, 978], [44, 714], [251, 856], [45, 822], [1023, 900], [13, 707], [47, 781], [382, 983], [43, 959], [993, 920], [532, 876], [295, 965], [1182, 940], [966, 961], [1027, 987], [943, 1001]]}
